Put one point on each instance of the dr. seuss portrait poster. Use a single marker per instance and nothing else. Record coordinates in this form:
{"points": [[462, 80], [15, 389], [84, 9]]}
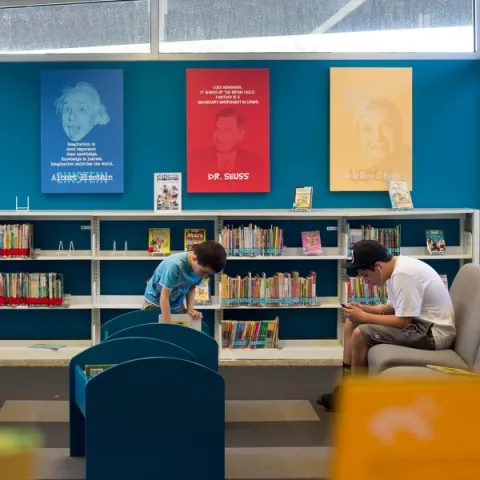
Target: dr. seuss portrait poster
{"points": [[228, 130], [370, 128], [82, 131]]}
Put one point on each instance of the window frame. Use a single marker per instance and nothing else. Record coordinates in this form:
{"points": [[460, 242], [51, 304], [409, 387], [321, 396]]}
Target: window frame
{"points": [[155, 55]]}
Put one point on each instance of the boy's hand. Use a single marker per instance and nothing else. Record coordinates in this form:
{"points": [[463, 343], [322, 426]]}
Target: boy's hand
{"points": [[354, 314], [195, 313]]}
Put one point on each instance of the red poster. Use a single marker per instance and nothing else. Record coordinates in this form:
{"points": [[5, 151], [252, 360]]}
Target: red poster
{"points": [[228, 130]]}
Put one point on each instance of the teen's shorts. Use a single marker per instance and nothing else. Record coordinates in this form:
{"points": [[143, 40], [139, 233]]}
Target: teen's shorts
{"points": [[416, 335]]}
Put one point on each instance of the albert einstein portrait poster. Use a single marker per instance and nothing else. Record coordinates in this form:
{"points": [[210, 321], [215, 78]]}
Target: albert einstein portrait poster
{"points": [[82, 131]]}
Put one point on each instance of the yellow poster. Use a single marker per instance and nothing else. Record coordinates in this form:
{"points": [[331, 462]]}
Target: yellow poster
{"points": [[400, 429], [370, 128]]}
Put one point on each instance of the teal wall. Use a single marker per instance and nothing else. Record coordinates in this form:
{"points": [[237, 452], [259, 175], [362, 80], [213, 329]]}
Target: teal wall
{"points": [[446, 127], [446, 173]]}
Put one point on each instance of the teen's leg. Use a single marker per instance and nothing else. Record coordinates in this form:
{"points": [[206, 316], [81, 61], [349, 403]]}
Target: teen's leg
{"points": [[359, 351], [348, 330], [416, 335], [327, 399]]}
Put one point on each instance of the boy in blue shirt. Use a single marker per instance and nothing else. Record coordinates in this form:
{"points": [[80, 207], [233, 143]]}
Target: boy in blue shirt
{"points": [[176, 277]]}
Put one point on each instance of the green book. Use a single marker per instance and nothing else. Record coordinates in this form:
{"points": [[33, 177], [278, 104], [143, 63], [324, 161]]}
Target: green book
{"points": [[92, 370]]}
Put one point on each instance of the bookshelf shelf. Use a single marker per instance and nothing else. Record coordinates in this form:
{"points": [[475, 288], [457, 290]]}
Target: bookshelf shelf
{"points": [[329, 253], [288, 350], [18, 351], [54, 255], [79, 302], [134, 302], [131, 255], [94, 265], [322, 302]]}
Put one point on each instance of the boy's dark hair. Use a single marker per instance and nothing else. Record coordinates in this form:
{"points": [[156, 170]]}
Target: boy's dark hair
{"points": [[366, 253], [211, 254]]}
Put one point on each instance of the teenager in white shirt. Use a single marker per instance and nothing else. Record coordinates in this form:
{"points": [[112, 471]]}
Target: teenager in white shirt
{"points": [[418, 314]]}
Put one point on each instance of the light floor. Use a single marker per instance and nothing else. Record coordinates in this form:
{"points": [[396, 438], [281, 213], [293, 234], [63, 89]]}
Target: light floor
{"points": [[274, 429]]}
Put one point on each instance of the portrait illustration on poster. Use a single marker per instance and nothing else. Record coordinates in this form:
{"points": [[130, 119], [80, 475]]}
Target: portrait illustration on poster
{"points": [[370, 128], [228, 130], [82, 131]]}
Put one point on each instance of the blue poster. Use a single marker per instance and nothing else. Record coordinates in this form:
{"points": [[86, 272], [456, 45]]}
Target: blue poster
{"points": [[82, 131]]}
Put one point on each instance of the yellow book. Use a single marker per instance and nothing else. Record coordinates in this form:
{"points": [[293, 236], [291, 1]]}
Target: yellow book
{"points": [[192, 237], [450, 370], [159, 241]]}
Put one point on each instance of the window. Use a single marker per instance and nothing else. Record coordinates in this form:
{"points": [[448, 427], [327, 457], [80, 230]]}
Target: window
{"points": [[227, 26], [106, 27]]}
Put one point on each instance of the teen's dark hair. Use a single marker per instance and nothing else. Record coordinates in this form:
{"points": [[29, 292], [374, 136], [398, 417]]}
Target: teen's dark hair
{"points": [[371, 266], [211, 254]]}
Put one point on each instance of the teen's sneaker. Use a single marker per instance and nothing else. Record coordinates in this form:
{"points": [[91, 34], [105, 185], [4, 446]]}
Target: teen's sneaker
{"points": [[327, 400]]}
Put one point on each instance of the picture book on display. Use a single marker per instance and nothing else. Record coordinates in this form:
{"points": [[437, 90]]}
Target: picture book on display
{"points": [[167, 190], [192, 237], [202, 293], [311, 243], [435, 242], [400, 197], [159, 241], [302, 198]]}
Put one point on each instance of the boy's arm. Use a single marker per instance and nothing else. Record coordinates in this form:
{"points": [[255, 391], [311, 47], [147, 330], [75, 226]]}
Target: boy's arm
{"points": [[167, 282], [190, 298], [165, 304], [190, 302]]}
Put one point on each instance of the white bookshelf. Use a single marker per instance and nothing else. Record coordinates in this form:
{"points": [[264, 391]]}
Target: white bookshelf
{"points": [[466, 251]]}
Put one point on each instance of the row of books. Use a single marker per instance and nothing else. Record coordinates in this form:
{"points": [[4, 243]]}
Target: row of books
{"points": [[159, 240], [31, 289], [16, 240], [241, 334], [280, 290], [388, 237], [251, 240], [360, 291]]}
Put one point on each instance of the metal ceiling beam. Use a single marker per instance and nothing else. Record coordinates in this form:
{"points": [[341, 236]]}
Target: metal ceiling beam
{"points": [[339, 16], [35, 3]]}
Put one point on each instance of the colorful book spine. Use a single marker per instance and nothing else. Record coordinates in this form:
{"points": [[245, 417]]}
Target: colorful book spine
{"points": [[388, 237], [252, 334], [280, 290], [363, 292], [31, 289], [252, 241], [16, 241]]}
